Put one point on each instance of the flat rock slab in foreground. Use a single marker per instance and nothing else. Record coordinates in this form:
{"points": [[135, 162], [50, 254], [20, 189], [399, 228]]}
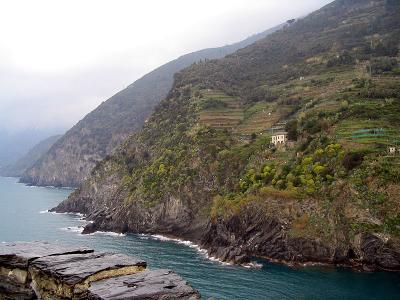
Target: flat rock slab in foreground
{"points": [[47, 271], [15, 259], [18, 255], [76, 268], [155, 284], [70, 275]]}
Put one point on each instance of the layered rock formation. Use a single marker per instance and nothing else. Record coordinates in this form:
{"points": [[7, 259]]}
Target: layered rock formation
{"points": [[45, 271], [155, 284], [249, 233]]}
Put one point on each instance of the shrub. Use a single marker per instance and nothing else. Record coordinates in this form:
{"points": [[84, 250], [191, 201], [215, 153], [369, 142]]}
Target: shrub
{"points": [[343, 59], [387, 48], [274, 193], [318, 169], [362, 82], [291, 128], [312, 172], [352, 160], [259, 94], [382, 65], [213, 103], [344, 105], [312, 126], [255, 179]]}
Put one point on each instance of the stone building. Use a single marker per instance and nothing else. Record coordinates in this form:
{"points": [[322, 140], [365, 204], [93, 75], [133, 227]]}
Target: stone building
{"points": [[392, 150], [279, 138]]}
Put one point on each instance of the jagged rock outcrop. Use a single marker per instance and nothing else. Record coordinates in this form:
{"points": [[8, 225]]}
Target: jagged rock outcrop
{"points": [[238, 238], [69, 162], [39, 270], [171, 217], [380, 252]]}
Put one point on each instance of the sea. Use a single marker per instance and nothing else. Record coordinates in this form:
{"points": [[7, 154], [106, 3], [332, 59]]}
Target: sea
{"points": [[24, 216]]}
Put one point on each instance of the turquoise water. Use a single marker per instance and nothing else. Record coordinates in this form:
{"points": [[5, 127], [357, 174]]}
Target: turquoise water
{"points": [[22, 219]]}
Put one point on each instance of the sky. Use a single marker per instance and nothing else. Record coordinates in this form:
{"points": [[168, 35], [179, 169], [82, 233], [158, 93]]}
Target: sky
{"points": [[59, 59]]}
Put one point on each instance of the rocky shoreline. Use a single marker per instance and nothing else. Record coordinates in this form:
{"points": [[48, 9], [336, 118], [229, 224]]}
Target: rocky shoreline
{"points": [[236, 242], [250, 234], [39, 270], [254, 231]]}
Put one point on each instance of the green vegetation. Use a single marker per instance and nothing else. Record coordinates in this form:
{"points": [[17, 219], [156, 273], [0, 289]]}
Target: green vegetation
{"points": [[312, 172], [331, 81], [213, 103]]}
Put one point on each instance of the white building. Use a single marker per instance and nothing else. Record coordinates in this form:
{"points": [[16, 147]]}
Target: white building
{"points": [[279, 138]]}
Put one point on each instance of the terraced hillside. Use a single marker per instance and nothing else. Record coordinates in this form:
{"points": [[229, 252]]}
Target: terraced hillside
{"points": [[219, 111], [203, 166]]}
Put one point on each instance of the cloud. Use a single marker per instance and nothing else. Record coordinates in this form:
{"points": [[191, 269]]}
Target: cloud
{"points": [[60, 59]]}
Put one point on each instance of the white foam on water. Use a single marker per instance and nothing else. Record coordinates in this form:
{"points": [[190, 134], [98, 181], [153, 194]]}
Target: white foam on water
{"points": [[253, 265], [190, 244], [202, 251], [46, 186], [47, 211], [178, 241], [109, 233], [79, 230], [143, 236], [224, 263], [74, 229]]}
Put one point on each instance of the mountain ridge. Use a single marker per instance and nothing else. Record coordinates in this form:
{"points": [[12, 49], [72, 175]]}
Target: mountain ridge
{"points": [[28, 160], [72, 158]]}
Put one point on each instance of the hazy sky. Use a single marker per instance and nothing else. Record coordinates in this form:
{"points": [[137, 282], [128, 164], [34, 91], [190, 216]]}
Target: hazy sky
{"points": [[59, 59]]}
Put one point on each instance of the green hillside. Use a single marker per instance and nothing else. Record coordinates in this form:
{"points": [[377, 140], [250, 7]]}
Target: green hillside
{"points": [[203, 166]]}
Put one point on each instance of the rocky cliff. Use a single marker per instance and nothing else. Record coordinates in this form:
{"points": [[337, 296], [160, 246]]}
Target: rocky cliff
{"points": [[71, 159], [37, 270], [30, 158], [204, 168]]}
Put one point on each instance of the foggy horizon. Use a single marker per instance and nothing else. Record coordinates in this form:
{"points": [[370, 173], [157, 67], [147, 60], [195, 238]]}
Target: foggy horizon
{"points": [[59, 61]]}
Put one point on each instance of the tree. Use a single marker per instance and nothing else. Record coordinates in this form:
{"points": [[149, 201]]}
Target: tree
{"points": [[291, 128]]}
